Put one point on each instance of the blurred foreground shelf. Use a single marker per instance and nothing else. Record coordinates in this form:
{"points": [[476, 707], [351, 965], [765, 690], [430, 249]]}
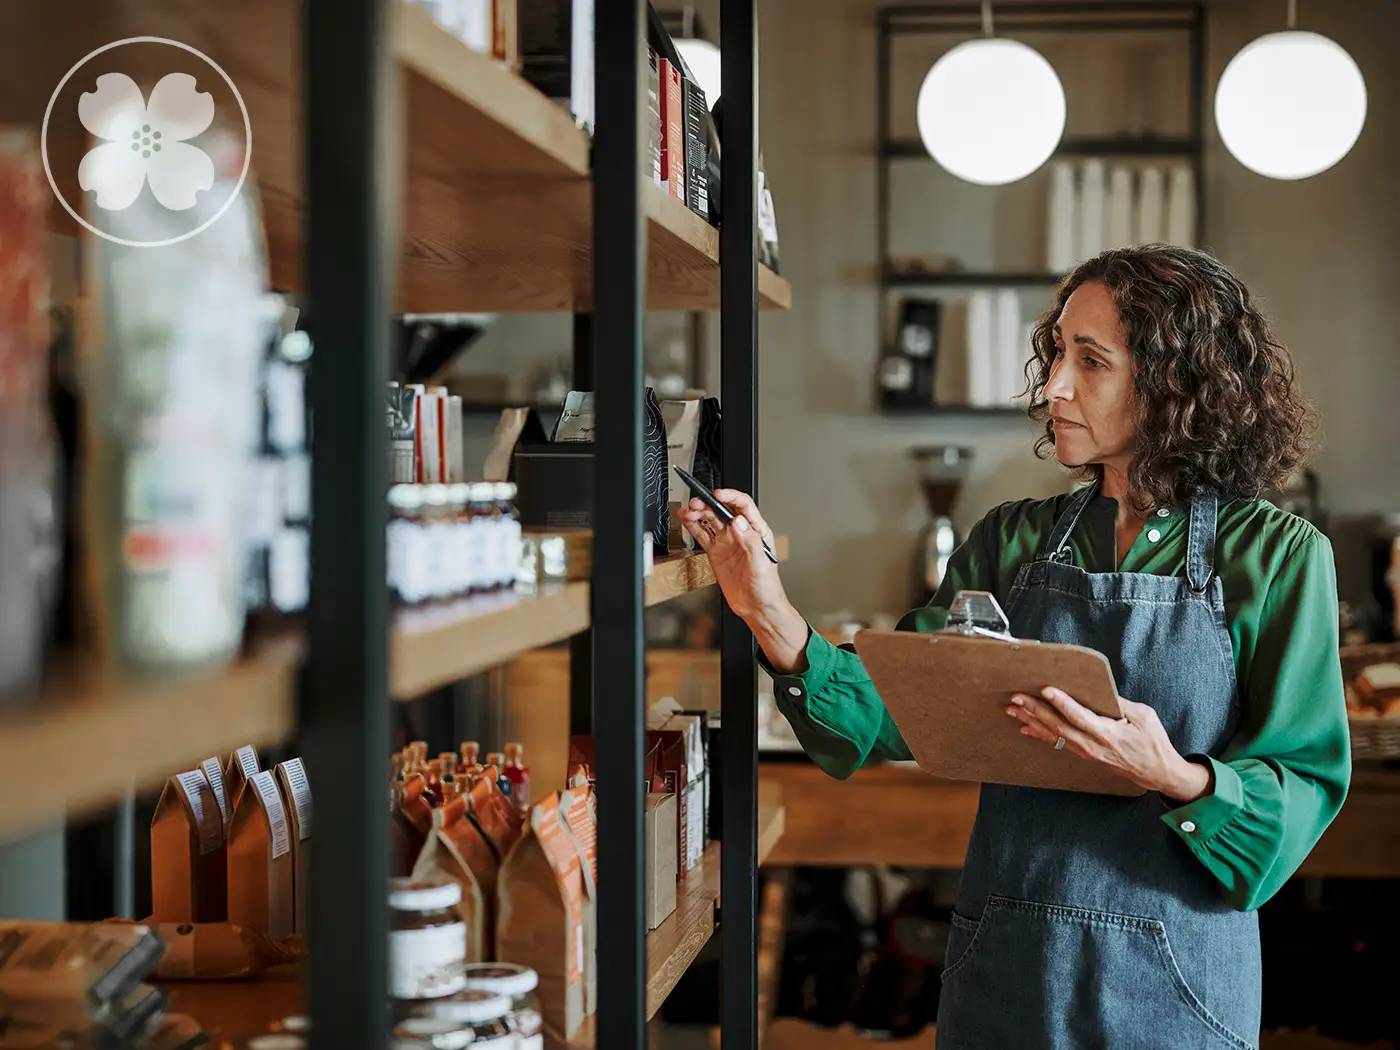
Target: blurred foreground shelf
{"points": [[128, 735]]}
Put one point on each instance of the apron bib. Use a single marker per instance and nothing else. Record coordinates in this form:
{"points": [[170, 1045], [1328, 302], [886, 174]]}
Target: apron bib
{"points": [[1082, 920]]}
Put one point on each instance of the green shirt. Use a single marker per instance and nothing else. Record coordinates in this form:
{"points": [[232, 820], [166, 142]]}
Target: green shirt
{"points": [[1283, 776]]}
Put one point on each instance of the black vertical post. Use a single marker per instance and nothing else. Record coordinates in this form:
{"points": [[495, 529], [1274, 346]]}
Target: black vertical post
{"points": [[345, 706], [738, 395], [581, 644], [619, 291]]}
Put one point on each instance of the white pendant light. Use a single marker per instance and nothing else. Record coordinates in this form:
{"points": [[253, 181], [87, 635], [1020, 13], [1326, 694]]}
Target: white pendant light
{"points": [[992, 110], [702, 58], [1290, 104]]}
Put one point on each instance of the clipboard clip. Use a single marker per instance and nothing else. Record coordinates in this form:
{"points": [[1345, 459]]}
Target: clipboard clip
{"points": [[977, 613]]}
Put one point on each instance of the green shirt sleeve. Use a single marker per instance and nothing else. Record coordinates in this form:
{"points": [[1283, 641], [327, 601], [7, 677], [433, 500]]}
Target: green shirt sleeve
{"points": [[1284, 776], [833, 707]]}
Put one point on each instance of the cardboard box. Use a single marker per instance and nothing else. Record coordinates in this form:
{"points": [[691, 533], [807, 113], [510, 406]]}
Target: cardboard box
{"points": [[296, 801], [697, 149], [189, 863], [261, 869], [660, 823], [427, 443], [654, 114], [672, 129]]}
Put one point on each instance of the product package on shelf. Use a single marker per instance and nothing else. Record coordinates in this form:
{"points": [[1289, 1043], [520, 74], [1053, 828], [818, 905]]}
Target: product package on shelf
{"points": [[261, 868], [709, 447], [1063, 214], [682, 419], [446, 541], [660, 821], [238, 770], [555, 478], [296, 801], [215, 775], [767, 221], [1092, 191], [907, 371], [48, 1023], [654, 114], [96, 966], [220, 951], [172, 416], [697, 148], [672, 92], [29, 547], [402, 414], [540, 921], [557, 54], [189, 858], [580, 821], [666, 715], [457, 849]]}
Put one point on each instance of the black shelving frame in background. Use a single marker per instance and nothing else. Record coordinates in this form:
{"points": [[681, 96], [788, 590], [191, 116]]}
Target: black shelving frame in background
{"points": [[964, 18], [353, 156]]}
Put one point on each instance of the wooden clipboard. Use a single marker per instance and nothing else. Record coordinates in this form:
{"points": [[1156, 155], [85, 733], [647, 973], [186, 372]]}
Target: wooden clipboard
{"points": [[948, 694]]}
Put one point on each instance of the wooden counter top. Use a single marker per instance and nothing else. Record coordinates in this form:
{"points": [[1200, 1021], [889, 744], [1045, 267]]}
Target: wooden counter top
{"points": [[899, 815]]}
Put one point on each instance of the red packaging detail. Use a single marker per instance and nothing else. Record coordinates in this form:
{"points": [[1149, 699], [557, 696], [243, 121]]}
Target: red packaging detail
{"points": [[672, 131], [151, 548]]}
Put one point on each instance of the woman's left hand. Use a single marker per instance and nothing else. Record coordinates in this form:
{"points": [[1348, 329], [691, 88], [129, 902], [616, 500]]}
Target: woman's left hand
{"points": [[1136, 746]]}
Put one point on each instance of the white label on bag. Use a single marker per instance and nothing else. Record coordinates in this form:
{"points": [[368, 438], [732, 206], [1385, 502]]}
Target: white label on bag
{"points": [[420, 961], [216, 781], [299, 788], [208, 825], [276, 815]]}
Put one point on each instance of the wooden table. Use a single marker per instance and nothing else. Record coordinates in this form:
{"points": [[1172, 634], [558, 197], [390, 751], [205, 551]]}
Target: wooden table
{"points": [[901, 816]]}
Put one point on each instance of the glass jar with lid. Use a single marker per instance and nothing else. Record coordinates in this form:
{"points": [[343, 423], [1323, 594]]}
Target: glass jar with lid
{"points": [[484, 515], [431, 1033], [517, 983], [459, 554], [427, 940], [404, 554], [508, 533], [437, 520], [485, 1013]]}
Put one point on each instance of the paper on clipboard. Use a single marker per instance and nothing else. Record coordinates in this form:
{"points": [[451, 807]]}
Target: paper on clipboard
{"points": [[947, 692]]}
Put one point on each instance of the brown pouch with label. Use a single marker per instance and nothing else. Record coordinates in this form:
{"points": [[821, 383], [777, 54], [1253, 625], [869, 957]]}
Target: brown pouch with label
{"points": [[540, 921], [261, 873], [221, 951], [581, 826], [296, 800], [494, 814], [239, 769], [189, 863], [458, 849]]}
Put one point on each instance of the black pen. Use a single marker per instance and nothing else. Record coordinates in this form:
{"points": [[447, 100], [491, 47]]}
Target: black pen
{"points": [[707, 497]]}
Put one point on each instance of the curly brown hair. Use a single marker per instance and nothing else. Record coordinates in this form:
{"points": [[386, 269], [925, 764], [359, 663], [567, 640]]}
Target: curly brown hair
{"points": [[1215, 405]]}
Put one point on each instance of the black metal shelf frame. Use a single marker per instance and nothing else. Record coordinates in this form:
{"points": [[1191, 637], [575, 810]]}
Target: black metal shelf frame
{"points": [[961, 17], [354, 156]]}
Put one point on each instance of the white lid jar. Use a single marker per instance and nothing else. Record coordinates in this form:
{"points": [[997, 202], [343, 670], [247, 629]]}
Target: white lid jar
{"points": [[518, 983], [427, 939]]}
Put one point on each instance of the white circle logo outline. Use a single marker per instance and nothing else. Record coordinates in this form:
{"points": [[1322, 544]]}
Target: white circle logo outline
{"points": [[247, 142]]}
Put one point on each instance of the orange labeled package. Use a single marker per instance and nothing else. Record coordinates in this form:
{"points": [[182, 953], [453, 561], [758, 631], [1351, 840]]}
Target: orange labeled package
{"points": [[296, 801], [189, 861], [458, 849], [541, 915], [581, 825], [261, 872], [494, 813]]}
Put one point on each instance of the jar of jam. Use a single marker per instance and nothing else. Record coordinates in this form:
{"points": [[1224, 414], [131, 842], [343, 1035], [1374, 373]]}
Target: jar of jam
{"points": [[485, 1013], [482, 512], [431, 1033], [518, 984], [508, 534], [438, 522], [427, 940], [404, 553]]}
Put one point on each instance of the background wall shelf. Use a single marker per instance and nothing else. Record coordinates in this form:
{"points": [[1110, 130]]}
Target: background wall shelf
{"points": [[895, 278], [1071, 146], [960, 411]]}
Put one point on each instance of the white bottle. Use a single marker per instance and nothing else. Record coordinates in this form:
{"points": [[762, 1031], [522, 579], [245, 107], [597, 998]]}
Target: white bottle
{"points": [[1091, 210], [1009, 357], [1149, 227], [981, 344], [1181, 208], [1063, 206], [1120, 207]]}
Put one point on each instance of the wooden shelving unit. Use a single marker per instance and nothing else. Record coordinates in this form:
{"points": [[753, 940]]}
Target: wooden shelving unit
{"points": [[894, 277], [127, 735], [1074, 146]]}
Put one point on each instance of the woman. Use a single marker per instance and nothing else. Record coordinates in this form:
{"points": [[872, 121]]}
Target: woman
{"points": [[1093, 920]]}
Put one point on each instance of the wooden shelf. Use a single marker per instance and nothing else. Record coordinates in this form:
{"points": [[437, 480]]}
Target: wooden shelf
{"points": [[1076, 146], [897, 278], [435, 646], [133, 735], [674, 945], [495, 201]]}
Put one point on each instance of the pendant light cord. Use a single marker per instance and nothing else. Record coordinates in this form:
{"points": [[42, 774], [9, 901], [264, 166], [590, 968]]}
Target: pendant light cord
{"points": [[987, 17], [1292, 14]]}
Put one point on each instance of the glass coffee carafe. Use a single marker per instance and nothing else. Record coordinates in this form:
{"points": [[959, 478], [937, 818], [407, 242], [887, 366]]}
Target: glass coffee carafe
{"points": [[942, 470]]}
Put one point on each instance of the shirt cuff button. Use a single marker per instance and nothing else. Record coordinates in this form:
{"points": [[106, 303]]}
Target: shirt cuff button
{"points": [[1188, 826], [794, 690]]}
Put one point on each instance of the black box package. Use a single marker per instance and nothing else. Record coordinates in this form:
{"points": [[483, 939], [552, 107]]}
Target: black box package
{"points": [[697, 149], [555, 477]]}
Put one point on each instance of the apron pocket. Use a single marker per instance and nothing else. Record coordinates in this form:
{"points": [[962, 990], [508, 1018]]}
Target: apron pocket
{"points": [[1025, 970]]}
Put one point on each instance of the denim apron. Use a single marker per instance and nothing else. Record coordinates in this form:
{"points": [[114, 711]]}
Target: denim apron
{"points": [[1082, 920]]}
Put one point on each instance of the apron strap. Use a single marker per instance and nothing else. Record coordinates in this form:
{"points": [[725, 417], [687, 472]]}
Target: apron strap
{"points": [[1057, 546], [1200, 543]]}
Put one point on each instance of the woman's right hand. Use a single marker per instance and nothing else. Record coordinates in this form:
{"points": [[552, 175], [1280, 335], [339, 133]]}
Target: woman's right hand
{"points": [[749, 580]]}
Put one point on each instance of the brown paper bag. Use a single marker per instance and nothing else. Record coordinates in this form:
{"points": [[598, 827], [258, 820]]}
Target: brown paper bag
{"points": [[261, 872], [296, 801], [189, 863], [458, 850]]}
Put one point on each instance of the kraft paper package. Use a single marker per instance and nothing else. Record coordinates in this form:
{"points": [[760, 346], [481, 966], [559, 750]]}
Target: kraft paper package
{"points": [[458, 850], [540, 918], [214, 773], [493, 813], [239, 769], [47, 1024], [296, 801], [220, 951], [580, 819], [261, 871], [97, 965], [682, 420], [189, 860]]}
